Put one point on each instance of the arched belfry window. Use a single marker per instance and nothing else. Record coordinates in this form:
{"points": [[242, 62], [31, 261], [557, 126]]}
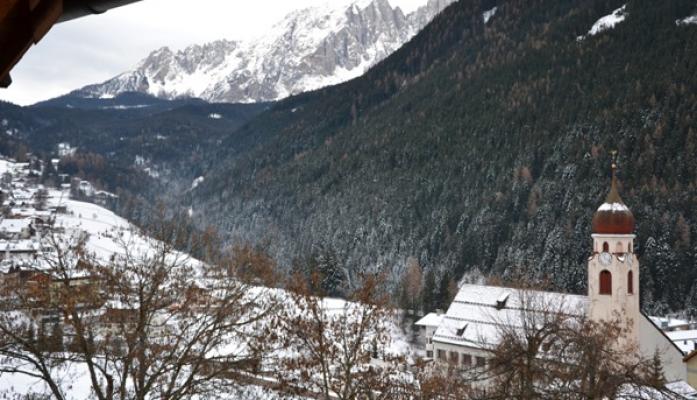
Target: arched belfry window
{"points": [[606, 247], [630, 247], [630, 282], [605, 282]]}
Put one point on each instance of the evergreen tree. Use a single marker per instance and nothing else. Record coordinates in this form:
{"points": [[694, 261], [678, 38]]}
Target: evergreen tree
{"points": [[429, 292], [333, 277], [655, 374], [444, 291]]}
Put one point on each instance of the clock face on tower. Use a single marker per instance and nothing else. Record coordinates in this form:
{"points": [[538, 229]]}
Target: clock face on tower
{"points": [[605, 258]]}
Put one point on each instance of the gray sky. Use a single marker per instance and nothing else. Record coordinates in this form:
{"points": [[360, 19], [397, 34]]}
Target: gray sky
{"points": [[96, 48]]}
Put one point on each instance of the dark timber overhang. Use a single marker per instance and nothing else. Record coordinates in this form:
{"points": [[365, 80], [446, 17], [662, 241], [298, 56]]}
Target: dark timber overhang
{"points": [[24, 22]]}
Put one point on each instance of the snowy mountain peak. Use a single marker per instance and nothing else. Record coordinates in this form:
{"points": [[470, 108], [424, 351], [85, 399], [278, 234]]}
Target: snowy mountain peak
{"points": [[308, 49]]}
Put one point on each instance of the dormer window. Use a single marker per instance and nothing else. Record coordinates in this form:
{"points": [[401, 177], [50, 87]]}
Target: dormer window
{"points": [[501, 301], [461, 329]]}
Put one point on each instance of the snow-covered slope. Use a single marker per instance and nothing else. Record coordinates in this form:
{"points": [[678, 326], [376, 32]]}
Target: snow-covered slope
{"points": [[689, 20], [309, 49], [606, 22]]}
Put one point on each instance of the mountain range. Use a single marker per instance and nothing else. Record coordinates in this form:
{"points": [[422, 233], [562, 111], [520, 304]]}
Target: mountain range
{"points": [[309, 49]]}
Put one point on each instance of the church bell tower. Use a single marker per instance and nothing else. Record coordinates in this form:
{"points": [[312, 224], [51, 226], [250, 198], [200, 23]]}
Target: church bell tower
{"points": [[613, 269]]}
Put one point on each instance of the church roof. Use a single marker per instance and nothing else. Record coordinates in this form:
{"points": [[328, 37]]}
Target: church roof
{"points": [[613, 216], [477, 313]]}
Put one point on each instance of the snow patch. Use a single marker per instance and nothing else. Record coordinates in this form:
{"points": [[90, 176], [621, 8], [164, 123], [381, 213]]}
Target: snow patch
{"points": [[197, 182], [606, 23], [122, 107], [64, 149], [614, 207], [486, 15], [691, 20], [215, 116], [151, 172]]}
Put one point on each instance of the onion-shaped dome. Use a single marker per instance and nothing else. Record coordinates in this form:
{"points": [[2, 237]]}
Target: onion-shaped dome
{"points": [[613, 217]]}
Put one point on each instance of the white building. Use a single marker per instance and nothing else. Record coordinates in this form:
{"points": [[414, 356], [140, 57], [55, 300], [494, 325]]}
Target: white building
{"points": [[429, 324], [20, 228], [473, 321]]}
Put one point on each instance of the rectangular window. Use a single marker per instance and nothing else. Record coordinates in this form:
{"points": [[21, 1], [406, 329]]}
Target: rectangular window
{"points": [[481, 362], [454, 357], [441, 355], [605, 282], [429, 354], [466, 360]]}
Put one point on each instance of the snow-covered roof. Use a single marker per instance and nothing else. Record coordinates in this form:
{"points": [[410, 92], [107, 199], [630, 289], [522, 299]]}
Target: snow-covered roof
{"points": [[430, 320], [21, 194], [670, 324], [478, 311], [682, 335], [678, 389], [105, 194], [19, 246], [685, 340], [682, 388], [14, 225]]}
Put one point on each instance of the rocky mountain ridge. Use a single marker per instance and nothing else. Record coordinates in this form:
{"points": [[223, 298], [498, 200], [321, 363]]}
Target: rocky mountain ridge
{"points": [[309, 49]]}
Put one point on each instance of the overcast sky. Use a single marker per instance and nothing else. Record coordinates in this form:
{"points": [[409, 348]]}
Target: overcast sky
{"points": [[96, 48]]}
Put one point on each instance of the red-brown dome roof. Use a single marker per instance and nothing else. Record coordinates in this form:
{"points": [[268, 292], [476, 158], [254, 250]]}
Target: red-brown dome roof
{"points": [[613, 217]]}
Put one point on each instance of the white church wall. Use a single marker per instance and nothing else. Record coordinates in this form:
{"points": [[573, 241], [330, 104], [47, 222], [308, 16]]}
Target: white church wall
{"points": [[651, 340]]}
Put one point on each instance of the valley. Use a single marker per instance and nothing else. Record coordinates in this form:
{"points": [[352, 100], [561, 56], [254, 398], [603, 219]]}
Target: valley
{"points": [[375, 199]]}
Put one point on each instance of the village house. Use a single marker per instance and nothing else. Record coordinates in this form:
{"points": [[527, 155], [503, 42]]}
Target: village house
{"points": [[428, 325], [23, 250], [469, 327], [691, 363], [15, 229]]}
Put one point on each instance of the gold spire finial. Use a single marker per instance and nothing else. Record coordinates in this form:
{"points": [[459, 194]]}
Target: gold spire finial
{"points": [[614, 161], [614, 196]]}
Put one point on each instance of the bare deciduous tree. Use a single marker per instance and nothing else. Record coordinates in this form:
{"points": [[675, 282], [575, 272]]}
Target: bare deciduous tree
{"points": [[411, 282], [148, 323], [334, 345], [549, 349]]}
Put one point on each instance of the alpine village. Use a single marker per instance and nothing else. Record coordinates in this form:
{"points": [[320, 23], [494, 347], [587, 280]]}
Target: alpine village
{"points": [[369, 199]]}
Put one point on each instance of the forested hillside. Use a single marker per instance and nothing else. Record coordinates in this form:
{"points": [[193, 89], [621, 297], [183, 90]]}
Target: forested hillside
{"points": [[136, 144], [482, 146]]}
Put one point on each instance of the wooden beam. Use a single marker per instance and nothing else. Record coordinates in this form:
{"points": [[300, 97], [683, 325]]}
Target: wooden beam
{"points": [[5, 7], [23, 23]]}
